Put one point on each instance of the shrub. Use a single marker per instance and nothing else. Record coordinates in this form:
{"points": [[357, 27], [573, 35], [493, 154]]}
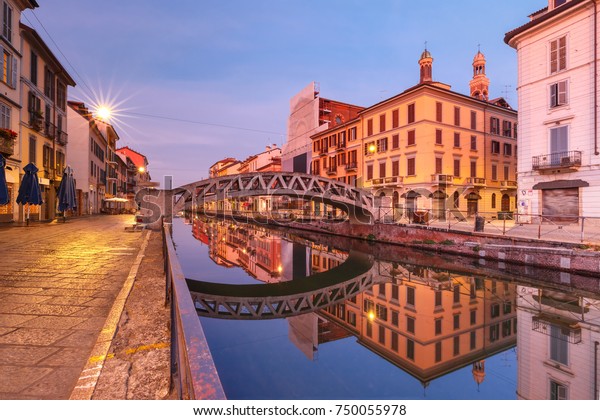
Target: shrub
{"points": [[447, 242]]}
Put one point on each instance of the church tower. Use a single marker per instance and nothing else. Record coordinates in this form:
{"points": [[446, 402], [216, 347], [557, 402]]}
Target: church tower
{"points": [[480, 83], [425, 63]]}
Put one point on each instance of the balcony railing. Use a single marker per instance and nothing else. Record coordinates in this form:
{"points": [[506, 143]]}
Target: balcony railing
{"points": [[323, 152], [50, 130], [351, 166], [508, 184], [442, 179], [332, 171], [476, 182], [390, 180], [341, 145], [557, 160], [62, 138]]}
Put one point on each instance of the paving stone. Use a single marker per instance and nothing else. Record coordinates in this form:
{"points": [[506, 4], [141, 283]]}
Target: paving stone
{"points": [[41, 309], [67, 356], [79, 338], [59, 382], [20, 377], [54, 322], [25, 355], [68, 300], [25, 298], [91, 324], [34, 336], [14, 320], [5, 330]]}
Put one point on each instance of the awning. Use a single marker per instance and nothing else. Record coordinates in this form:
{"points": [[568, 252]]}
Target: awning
{"points": [[563, 183]]}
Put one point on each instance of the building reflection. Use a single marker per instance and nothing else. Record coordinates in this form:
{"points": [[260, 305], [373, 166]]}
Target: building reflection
{"points": [[558, 340]]}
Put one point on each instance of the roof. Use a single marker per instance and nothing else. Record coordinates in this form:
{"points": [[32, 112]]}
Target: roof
{"points": [[543, 18], [137, 158], [48, 52]]}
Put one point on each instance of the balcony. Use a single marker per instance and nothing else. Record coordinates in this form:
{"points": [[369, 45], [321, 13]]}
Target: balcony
{"points": [[332, 171], [351, 166], [340, 146], [442, 179], [323, 152], [508, 184], [475, 182], [7, 146], [387, 181], [50, 130], [560, 160], [62, 138]]}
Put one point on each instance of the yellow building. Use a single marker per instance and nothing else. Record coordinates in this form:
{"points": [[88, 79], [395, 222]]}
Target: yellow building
{"points": [[430, 148]]}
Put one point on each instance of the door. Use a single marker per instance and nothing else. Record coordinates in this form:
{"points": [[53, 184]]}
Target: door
{"points": [[561, 205]]}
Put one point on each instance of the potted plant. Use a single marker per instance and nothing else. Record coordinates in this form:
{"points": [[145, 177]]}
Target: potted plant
{"points": [[7, 140]]}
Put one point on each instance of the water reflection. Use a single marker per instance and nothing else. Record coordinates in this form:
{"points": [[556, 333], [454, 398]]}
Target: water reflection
{"points": [[445, 321]]}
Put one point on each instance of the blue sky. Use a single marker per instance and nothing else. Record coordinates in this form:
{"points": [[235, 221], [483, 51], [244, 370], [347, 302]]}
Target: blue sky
{"points": [[237, 63]]}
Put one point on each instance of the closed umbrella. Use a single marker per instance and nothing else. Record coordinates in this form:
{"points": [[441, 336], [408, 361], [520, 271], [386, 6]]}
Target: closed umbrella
{"points": [[3, 187], [29, 191], [66, 192]]}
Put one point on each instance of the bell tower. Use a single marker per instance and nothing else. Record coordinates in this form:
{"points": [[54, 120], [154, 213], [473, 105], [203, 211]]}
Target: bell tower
{"points": [[425, 62], [480, 84]]}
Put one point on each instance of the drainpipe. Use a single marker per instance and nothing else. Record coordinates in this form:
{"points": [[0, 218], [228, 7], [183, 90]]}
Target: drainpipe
{"points": [[596, 152], [596, 344]]}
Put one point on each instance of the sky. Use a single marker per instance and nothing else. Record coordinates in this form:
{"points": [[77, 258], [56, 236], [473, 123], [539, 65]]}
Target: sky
{"points": [[196, 81]]}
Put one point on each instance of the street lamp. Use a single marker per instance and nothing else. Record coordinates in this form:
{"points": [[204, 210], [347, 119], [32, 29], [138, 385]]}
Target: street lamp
{"points": [[104, 113]]}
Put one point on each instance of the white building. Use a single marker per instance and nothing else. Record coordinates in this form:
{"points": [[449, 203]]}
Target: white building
{"points": [[559, 150]]}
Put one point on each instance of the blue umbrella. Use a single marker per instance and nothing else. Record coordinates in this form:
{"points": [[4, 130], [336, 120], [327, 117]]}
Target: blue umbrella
{"points": [[3, 187], [29, 191], [66, 191]]}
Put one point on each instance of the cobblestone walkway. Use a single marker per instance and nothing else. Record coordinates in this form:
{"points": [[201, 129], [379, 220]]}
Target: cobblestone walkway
{"points": [[57, 285]]}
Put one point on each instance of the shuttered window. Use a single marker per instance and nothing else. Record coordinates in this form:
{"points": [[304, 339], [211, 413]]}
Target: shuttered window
{"points": [[558, 54]]}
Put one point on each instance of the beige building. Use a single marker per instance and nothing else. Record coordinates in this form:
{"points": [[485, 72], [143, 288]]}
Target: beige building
{"points": [[10, 102], [44, 138], [430, 148], [559, 155]]}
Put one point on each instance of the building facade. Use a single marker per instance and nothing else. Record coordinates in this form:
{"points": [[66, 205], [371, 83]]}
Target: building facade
{"points": [[559, 153], [44, 83], [10, 102]]}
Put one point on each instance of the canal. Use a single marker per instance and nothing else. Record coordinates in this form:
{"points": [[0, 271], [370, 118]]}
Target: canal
{"points": [[405, 325]]}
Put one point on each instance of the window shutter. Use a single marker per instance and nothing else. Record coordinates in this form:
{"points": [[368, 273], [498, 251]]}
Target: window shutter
{"points": [[562, 92], [562, 53], [553, 56], [553, 96], [14, 76], [5, 21], [2, 58]]}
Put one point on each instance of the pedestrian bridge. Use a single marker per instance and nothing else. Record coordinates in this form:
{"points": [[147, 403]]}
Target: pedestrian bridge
{"points": [[357, 203], [285, 299]]}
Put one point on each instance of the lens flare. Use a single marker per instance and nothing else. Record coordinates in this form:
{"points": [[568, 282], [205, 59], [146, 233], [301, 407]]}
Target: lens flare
{"points": [[103, 112]]}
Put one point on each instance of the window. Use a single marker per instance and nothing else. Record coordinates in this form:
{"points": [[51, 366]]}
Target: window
{"points": [[506, 172], [395, 318], [410, 296], [316, 167], [411, 138], [438, 326], [473, 340], [507, 128], [456, 346], [410, 349], [473, 142], [558, 55], [394, 342], [494, 172], [7, 22], [457, 116], [495, 146], [411, 113], [495, 310], [382, 123], [456, 321], [395, 141], [410, 324], [456, 139], [473, 168], [493, 201], [456, 294], [473, 120], [9, 68], [494, 332], [381, 334], [438, 165], [559, 345], [507, 149], [473, 316], [395, 118], [352, 133], [494, 125], [457, 167], [48, 161], [559, 2], [558, 94], [49, 82], [438, 136], [438, 111], [559, 139], [456, 199], [558, 391], [33, 70], [4, 116], [507, 307], [395, 291], [437, 298], [382, 145], [382, 170], [506, 328], [410, 167], [370, 148], [369, 172], [32, 147], [369, 329], [395, 172], [370, 127], [438, 351]]}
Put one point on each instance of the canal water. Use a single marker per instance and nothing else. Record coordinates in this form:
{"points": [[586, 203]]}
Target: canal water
{"points": [[419, 326]]}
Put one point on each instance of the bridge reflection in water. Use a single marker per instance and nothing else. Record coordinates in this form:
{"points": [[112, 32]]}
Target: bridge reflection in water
{"points": [[429, 315]]}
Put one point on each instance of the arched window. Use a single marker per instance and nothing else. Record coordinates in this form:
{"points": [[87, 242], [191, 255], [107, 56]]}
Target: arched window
{"points": [[455, 199], [493, 201]]}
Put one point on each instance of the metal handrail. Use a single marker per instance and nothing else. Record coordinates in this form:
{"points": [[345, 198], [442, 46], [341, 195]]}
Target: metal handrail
{"points": [[193, 372]]}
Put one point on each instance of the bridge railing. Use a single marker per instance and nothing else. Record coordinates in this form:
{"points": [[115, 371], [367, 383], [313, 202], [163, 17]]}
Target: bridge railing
{"points": [[193, 373]]}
